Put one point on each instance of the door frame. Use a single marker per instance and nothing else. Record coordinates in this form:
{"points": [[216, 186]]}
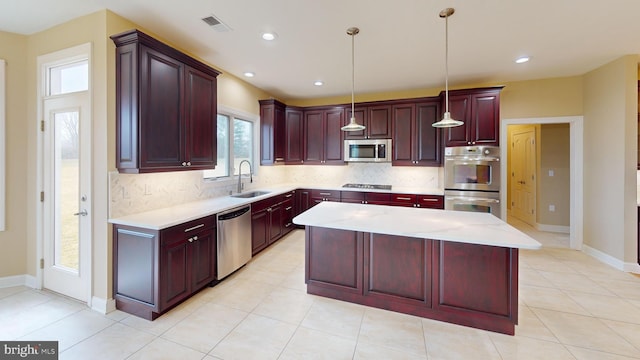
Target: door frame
{"points": [[43, 62], [576, 170]]}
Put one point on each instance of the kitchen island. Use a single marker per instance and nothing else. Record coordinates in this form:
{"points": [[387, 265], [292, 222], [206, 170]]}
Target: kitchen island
{"points": [[453, 266]]}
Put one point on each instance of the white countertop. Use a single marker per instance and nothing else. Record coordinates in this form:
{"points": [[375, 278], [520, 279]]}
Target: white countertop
{"points": [[175, 215], [458, 226]]}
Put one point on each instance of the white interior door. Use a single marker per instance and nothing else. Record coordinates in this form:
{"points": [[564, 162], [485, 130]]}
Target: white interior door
{"points": [[67, 194], [523, 176]]}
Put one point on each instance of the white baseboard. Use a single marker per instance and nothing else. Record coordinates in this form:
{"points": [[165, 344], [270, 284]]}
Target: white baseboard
{"points": [[103, 306], [553, 228], [605, 258], [18, 280], [632, 268]]}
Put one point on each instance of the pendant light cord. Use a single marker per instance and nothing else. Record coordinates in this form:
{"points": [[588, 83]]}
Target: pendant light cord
{"points": [[353, 76], [446, 63]]}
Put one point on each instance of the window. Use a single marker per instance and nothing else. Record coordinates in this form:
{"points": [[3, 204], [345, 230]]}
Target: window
{"points": [[68, 78], [235, 143]]}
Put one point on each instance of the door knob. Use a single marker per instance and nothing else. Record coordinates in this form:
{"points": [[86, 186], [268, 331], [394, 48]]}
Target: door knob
{"points": [[82, 213]]}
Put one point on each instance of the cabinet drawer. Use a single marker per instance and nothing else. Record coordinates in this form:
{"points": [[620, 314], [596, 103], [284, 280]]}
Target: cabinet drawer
{"points": [[326, 194], [187, 229], [378, 198], [430, 201], [403, 199], [258, 206], [352, 196]]}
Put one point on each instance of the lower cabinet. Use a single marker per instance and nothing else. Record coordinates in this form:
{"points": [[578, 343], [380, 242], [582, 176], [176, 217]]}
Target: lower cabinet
{"points": [[393, 199], [466, 284], [271, 219], [155, 270]]}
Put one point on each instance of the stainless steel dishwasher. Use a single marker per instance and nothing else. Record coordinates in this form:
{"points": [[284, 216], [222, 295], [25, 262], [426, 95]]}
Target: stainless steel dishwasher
{"points": [[234, 240]]}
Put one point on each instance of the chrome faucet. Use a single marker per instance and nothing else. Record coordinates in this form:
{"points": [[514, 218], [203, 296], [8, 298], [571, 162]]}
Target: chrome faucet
{"points": [[240, 174]]}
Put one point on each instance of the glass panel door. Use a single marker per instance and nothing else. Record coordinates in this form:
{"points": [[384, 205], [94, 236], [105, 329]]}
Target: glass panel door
{"points": [[67, 179]]}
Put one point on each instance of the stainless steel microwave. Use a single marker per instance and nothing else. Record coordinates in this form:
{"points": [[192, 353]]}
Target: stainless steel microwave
{"points": [[370, 150]]}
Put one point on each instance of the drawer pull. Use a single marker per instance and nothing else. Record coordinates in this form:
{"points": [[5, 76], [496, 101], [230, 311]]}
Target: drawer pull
{"points": [[326, 194], [194, 227], [425, 199], [288, 208], [403, 198], [289, 195]]}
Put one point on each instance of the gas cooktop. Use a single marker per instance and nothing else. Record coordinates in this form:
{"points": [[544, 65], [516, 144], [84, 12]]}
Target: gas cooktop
{"points": [[368, 186]]}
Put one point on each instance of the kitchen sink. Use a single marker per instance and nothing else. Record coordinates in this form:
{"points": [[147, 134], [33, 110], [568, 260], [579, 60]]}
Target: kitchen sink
{"points": [[250, 194]]}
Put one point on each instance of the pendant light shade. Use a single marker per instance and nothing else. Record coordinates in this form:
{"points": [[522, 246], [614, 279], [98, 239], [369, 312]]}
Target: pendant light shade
{"points": [[353, 125], [446, 121]]}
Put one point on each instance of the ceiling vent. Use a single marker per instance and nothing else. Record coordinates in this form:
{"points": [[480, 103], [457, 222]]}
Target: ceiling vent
{"points": [[216, 24]]}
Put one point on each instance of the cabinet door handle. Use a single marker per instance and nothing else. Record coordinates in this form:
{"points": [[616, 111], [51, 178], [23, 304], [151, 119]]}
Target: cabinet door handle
{"points": [[190, 240], [193, 228], [403, 198], [288, 195], [188, 163], [269, 210], [289, 208]]}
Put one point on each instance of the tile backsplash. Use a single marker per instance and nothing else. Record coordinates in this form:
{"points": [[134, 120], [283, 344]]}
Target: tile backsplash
{"points": [[134, 193]]}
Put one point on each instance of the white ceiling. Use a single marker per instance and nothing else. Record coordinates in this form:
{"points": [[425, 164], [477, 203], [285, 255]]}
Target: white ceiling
{"points": [[400, 45]]}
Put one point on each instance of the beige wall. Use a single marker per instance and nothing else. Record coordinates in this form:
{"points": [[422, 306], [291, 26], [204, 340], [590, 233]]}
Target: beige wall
{"points": [[610, 127], [13, 257], [554, 190]]}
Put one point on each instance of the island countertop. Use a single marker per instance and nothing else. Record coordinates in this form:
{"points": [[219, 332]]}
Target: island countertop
{"points": [[447, 225]]}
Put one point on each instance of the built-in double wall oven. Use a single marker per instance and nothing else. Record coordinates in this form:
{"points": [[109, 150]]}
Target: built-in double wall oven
{"points": [[472, 179]]}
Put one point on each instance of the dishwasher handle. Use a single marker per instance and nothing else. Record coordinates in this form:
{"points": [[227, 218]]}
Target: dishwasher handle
{"points": [[232, 214]]}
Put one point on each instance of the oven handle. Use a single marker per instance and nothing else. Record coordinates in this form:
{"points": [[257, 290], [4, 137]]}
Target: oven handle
{"points": [[466, 159], [474, 199]]}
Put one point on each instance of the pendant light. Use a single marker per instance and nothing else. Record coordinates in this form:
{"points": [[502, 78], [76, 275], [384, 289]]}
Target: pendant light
{"points": [[353, 125], [446, 121]]}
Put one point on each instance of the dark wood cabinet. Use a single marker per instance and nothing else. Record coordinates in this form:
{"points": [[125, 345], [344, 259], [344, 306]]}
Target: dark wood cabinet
{"points": [[323, 137], [375, 118], [320, 195], [155, 270], [393, 199], [479, 109], [466, 284], [166, 107], [272, 132], [288, 212], [415, 141], [294, 144], [303, 201], [271, 219]]}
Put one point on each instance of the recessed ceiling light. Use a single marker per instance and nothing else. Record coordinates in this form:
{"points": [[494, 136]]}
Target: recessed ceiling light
{"points": [[318, 83], [522, 59], [269, 36], [249, 74]]}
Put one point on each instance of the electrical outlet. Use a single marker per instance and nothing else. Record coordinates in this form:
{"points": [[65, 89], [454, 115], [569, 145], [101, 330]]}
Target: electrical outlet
{"points": [[551, 172], [552, 208]]}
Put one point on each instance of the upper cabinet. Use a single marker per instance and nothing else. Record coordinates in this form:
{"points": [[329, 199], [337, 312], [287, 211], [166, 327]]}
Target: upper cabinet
{"points": [[479, 109], [272, 132], [166, 107], [375, 118], [294, 144], [323, 137], [415, 141]]}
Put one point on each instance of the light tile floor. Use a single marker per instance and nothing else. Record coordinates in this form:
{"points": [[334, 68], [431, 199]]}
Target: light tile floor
{"points": [[571, 307]]}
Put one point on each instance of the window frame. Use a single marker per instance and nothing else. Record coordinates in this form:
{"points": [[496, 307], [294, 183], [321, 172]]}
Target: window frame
{"points": [[254, 119]]}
